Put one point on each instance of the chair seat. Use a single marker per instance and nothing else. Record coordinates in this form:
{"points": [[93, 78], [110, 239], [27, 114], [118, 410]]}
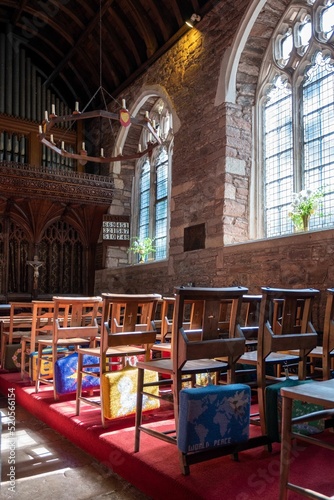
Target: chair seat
{"points": [[162, 346], [16, 335], [114, 351], [39, 337], [274, 357], [166, 365], [317, 351], [63, 342]]}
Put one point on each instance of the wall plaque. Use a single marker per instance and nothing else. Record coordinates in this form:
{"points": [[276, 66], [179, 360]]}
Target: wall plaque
{"points": [[194, 237], [116, 230]]}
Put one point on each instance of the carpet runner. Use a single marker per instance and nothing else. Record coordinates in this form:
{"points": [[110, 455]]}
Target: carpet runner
{"points": [[155, 468]]}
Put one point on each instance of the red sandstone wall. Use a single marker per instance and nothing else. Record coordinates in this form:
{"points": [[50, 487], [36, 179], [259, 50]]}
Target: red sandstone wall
{"points": [[211, 176], [301, 260]]}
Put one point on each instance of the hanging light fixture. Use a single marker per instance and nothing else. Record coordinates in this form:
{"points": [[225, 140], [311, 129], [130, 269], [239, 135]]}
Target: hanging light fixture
{"points": [[123, 116], [46, 137]]}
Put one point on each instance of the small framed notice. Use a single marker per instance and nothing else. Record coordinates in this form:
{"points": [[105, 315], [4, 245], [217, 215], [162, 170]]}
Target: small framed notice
{"points": [[116, 230]]}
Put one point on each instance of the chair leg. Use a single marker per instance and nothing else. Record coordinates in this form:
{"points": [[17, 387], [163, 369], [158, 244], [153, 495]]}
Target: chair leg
{"points": [[23, 357], [3, 350], [261, 387], [54, 359], [285, 458], [326, 366], [139, 408], [185, 469], [79, 383], [38, 367]]}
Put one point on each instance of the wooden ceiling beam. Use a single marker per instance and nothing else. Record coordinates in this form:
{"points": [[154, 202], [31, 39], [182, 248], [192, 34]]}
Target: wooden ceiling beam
{"points": [[124, 32], [76, 46], [177, 12], [145, 29], [18, 11], [161, 21], [195, 5]]}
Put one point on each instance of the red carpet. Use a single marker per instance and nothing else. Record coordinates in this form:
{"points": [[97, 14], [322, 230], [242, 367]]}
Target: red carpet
{"points": [[155, 469]]}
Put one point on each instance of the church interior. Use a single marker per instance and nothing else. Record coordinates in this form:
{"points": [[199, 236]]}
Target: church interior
{"points": [[153, 144]]}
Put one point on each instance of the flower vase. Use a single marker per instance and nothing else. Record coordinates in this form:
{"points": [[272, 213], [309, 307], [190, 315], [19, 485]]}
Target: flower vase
{"points": [[306, 222]]}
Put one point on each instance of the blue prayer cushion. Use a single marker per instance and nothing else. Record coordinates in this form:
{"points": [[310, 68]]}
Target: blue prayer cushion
{"points": [[66, 372], [213, 416]]}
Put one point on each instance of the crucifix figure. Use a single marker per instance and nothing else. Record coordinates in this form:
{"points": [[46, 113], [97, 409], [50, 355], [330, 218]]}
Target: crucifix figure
{"points": [[35, 264]]}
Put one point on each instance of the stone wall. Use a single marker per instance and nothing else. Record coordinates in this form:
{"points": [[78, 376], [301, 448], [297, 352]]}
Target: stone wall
{"points": [[300, 260], [211, 175]]}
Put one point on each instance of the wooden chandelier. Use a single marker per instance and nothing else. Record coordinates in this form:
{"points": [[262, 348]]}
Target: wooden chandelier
{"points": [[45, 136]]}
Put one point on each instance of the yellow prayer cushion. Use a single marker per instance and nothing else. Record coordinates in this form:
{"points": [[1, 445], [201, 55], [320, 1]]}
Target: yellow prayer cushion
{"points": [[119, 392]]}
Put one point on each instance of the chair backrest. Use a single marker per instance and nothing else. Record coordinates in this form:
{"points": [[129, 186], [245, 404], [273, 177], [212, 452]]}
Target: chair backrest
{"points": [[250, 313], [288, 314], [209, 340], [20, 319], [76, 317], [129, 312], [42, 319], [135, 313], [167, 314], [295, 310], [328, 335]]}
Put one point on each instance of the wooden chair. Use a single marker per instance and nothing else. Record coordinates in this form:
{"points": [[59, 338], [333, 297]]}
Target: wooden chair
{"points": [[194, 352], [274, 348], [41, 328], [249, 324], [192, 320], [325, 352], [74, 324], [15, 326], [315, 393], [126, 331]]}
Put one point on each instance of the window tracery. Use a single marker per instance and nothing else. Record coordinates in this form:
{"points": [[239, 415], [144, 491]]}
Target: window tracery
{"points": [[296, 109]]}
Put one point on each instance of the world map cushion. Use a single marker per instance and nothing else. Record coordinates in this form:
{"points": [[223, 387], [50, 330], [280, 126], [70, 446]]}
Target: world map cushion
{"points": [[213, 416]]}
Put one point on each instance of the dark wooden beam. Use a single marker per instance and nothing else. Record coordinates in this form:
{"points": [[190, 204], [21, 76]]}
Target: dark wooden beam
{"points": [[78, 43]]}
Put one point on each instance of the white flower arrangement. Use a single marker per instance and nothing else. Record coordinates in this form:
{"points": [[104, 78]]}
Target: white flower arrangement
{"points": [[142, 247], [304, 204]]}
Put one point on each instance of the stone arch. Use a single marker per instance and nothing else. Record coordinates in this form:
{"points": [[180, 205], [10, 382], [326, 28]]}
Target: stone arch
{"points": [[145, 99], [237, 88], [241, 62], [124, 172]]}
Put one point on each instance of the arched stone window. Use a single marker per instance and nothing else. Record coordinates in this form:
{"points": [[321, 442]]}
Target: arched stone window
{"points": [[153, 184], [295, 110]]}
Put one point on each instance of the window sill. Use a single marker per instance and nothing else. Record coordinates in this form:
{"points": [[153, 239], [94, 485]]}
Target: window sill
{"points": [[294, 238]]}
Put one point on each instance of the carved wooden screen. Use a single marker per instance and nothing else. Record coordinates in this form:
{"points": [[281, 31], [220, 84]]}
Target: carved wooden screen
{"points": [[2, 259], [60, 250], [62, 253], [17, 260]]}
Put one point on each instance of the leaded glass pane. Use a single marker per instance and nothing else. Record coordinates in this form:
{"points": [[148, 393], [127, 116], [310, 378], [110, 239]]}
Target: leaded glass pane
{"points": [[318, 111], [298, 125], [327, 23], [153, 212], [144, 206], [278, 158]]}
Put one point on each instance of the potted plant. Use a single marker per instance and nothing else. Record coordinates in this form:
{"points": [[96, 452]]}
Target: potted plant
{"points": [[142, 247], [304, 204]]}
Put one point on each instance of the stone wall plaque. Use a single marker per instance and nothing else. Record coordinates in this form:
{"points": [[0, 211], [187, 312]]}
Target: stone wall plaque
{"points": [[194, 237], [116, 230]]}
